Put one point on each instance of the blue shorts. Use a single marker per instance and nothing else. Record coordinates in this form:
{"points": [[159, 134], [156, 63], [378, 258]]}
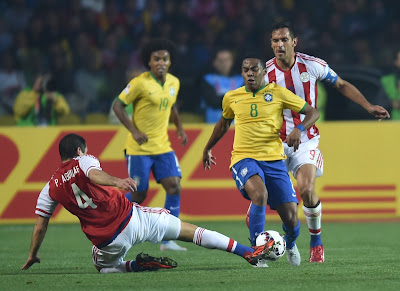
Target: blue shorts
{"points": [[162, 166], [274, 175]]}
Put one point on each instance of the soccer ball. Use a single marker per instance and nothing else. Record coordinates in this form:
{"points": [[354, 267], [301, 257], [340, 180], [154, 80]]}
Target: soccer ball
{"points": [[279, 246]]}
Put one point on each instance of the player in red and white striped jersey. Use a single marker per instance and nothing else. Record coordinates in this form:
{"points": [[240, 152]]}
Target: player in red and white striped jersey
{"points": [[114, 224], [299, 73]]}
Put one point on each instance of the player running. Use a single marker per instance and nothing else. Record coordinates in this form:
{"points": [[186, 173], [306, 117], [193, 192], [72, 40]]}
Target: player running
{"points": [[299, 73], [257, 157], [153, 95]]}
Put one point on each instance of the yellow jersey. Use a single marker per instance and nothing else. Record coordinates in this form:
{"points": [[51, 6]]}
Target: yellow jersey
{"points": [[258, 120], [152, 102]]}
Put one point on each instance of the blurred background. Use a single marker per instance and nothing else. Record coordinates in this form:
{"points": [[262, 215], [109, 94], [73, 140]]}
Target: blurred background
{"points": [[86, 51], [90, 47]]}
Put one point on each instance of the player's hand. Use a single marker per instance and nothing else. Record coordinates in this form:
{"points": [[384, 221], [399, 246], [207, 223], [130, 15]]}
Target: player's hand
{"points": [[140, 137], [294, 138], [208, 159], [30, 261], [182, 135], [379, 112], [128, 184]]}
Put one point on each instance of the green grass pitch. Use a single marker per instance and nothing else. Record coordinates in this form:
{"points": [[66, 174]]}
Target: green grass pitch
{"points": [[359, 256]]}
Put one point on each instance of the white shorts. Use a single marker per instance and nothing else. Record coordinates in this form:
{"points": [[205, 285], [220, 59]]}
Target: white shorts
{"points": [[146, 224], [307, 153]]}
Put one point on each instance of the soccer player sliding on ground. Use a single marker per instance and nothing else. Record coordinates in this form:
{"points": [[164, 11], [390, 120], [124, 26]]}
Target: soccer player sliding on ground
{"points": [[114, 224]]}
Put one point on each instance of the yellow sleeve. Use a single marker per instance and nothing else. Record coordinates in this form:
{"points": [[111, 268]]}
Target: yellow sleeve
{"points": [[24, 103], [61, 106], [227, 111], [131, 92]]}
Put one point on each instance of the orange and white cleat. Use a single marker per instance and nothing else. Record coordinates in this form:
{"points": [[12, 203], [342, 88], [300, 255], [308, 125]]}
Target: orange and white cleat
{"points": [[317, 254], [259, 256]]}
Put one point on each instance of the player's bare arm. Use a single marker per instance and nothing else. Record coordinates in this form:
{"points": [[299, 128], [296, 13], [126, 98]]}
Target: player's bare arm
{"points": [[351, 92], [105, 179], [119, 110], [311, 116], [179, 129], [219, 131], [39, 232]]}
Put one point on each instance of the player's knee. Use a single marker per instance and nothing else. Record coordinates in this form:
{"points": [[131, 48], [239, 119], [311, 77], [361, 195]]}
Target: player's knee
{"points": [[306, 192], [139, 197], [259, 197], [173, 188]]}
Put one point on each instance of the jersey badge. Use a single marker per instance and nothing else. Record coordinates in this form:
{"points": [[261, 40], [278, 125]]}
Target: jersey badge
{"points": [[304, 77], [243, 172], [137, 180], [268, 97], [172, 91]]}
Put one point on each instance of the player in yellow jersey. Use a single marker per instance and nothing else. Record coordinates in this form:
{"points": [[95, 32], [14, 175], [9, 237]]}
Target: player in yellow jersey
{"points": [[153, 96], [257, 157]]}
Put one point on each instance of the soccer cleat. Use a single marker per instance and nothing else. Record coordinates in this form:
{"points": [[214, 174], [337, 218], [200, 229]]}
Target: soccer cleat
{"points": [[317, 254], [149, 263], [258, 257], [171, 246], [293, 256]]}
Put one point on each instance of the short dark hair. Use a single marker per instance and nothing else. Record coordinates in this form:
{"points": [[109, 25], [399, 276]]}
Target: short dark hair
{"points": [[154, 45], [69, 144], [219, 49], [285, 24], [254, 55]]}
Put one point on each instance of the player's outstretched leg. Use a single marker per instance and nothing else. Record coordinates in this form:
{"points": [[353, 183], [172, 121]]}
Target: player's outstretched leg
{"points": [[293, 254], [214, 240], [313, 217]]}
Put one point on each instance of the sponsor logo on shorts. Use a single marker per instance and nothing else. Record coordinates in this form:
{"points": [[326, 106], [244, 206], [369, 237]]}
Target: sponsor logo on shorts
{"points": [[243, 172]]}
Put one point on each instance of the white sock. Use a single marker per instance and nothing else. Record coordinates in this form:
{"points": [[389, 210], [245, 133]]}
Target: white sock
{"points": [[213, 240], [313, 217], [124, 267]]}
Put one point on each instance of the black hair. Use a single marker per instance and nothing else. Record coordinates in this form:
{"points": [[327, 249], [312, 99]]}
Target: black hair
{"points": [[219, 49], [69, 145], [285, 24], [154, 45], [254, 55]]}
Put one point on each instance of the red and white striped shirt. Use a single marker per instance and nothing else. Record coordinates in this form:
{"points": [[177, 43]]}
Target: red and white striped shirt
{"points": [[301, 79], [103, 211]]}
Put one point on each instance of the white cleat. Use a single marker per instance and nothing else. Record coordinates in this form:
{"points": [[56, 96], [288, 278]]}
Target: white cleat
{"points": [[171, 246], [293, 256], [261, 264]]}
